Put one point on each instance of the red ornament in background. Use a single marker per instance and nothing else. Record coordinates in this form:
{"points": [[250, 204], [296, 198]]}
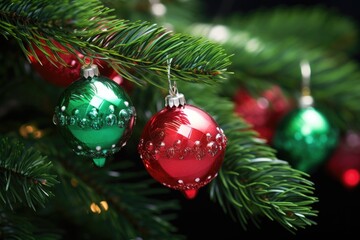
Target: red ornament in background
{"points": [[63, 76], [182, 147], [344, 163], [127, 85], [264, 112]]}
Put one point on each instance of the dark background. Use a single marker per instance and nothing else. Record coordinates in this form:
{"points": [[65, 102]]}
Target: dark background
{"points": [[338, 206]]}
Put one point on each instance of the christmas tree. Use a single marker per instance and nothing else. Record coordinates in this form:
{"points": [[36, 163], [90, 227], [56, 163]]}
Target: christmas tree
{"points": [[89, 148]]}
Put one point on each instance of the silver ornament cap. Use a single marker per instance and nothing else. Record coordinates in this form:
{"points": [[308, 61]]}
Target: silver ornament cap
{"points": [[90, 71], [177, 99], [306, 101]]}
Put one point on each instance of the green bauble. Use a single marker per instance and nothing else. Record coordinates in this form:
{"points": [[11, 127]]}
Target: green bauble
{"points": [[305, 138], [95, 116]]}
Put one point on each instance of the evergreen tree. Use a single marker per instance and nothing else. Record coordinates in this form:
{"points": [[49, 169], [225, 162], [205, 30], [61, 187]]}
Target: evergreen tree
{"points": [[49, 192]]}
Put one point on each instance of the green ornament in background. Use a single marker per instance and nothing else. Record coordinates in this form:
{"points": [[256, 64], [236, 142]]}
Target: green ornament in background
{"points": [[305, 137], [95, 116]]}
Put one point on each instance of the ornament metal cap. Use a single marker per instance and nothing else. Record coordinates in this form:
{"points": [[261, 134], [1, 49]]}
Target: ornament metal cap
{"points": [[306, 101], [176, 100], [90, 71]]}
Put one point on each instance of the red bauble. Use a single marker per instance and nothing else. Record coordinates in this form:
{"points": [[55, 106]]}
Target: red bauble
{"points": [[183, 148], [59, 74], [127, 85], [344, 163], [263, 112]]}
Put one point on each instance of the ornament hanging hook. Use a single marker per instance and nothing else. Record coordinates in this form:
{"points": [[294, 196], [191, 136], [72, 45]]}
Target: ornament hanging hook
{"points": [[174, 98], [88, 61], [172, 86], [306, 99], [305, 73]]}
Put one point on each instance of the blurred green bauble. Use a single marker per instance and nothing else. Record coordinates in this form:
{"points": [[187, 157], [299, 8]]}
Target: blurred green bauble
{"points": [[95, 116], [305, 138]]}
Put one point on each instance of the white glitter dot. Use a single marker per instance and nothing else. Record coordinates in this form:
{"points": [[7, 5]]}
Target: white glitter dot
{"points": [[126, 103], [209, 177], [197, 179], [79, 147], [98, 148], [180, 181], [63, 108], [113, 145], [216, 175], [123, 144]]}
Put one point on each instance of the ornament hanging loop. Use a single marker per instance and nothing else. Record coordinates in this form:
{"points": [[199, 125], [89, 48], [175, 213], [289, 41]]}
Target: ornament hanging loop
{"points": [[172, 86], [174, 98], [306, 100], [88, 61]]}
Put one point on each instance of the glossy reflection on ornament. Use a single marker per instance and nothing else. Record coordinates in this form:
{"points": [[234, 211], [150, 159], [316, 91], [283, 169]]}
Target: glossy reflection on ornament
{"points": [[95, 116], [182, 148], [305, 138]]}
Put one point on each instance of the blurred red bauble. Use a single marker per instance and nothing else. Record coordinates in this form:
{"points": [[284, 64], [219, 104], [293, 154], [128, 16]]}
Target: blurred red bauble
{"points": [[59, 74], [183, 148], [127, 85], [344, 163], [263, 112]]}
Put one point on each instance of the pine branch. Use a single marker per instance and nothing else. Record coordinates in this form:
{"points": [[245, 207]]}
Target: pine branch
{"points": [[120, 197], [252, 182], [263, 59], [134, 49], [13, 226], [24, 174], [314, 26]]}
